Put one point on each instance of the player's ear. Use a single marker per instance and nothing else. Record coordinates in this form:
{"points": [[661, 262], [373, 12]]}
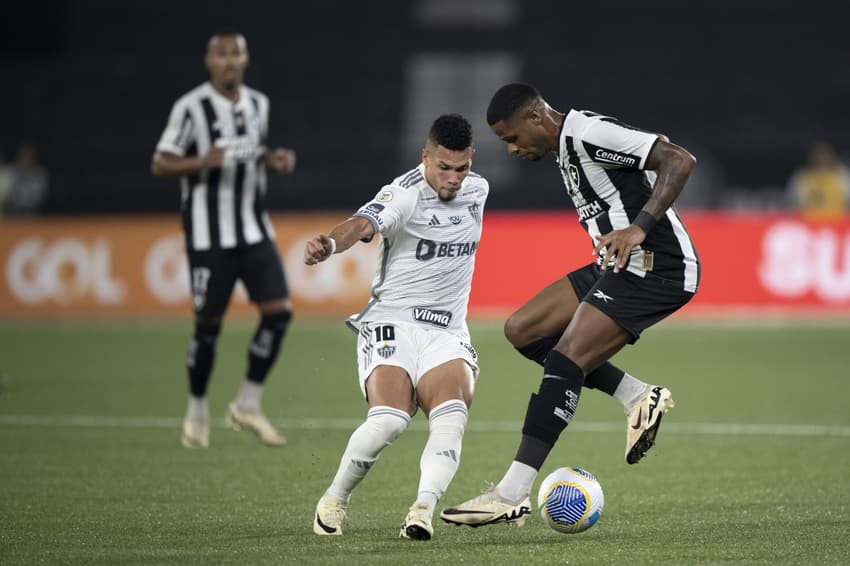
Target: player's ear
{"points": [[535, 115]]}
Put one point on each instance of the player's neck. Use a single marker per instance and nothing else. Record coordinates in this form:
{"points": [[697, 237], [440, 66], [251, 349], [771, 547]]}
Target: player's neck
{"points": [[554, 122], [231, 92]]}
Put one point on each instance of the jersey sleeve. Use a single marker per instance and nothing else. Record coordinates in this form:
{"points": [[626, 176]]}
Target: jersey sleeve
{"points": [[179, 133], [265, 111], [391, 208], [614, 144]]}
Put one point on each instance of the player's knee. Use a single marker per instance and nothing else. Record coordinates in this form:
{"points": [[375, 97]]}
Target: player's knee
{"points": [[277, 320], [516, 329], [387, 422], [207, 331], [449, 418]]}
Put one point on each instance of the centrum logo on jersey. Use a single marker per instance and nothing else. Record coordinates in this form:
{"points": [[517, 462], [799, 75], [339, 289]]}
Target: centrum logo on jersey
{"points": [[437, 318], [615, 158], [241, 148], [428, 249], [605, 155]]}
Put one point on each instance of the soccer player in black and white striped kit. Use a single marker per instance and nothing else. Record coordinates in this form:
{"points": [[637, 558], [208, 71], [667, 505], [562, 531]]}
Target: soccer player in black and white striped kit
{"points": [[623, 182], [215, 141]]}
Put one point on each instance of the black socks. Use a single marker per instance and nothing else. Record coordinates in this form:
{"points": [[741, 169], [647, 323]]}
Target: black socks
{"points": [[265, 345], [551, 409]]}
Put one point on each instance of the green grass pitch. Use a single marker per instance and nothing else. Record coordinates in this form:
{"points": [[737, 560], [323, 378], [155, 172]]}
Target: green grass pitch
{"points": [[751, 467]]}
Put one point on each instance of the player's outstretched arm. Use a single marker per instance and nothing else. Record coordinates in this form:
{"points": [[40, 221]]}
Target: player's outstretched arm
{"points": [[171, 165], [340, 239]]}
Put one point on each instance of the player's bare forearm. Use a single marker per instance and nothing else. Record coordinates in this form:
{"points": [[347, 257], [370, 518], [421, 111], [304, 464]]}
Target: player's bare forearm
{"points": [[341, 238], [673, 166], [167, 165], [351, 231], [171, 165]]}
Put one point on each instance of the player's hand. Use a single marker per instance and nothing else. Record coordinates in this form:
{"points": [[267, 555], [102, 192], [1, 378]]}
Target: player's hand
{"points": [[619, 244], [213, 158], [281, 160], [318, 249]]}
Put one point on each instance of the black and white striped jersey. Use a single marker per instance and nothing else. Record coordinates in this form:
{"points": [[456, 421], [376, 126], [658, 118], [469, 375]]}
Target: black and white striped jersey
{"points": [[222, 208], [602, 162]]}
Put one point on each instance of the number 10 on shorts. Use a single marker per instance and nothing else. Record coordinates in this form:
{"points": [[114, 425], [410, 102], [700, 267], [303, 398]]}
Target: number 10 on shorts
{"points": [[385, 333]]}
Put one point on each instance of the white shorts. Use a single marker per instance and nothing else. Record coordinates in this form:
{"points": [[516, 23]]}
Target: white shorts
{"points": [[415, 349]]}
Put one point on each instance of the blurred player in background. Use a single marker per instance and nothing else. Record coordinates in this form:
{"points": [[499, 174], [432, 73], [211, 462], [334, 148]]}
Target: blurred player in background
{"points": [[821, 188], [413, 346], [215, 141], [623, 182]]}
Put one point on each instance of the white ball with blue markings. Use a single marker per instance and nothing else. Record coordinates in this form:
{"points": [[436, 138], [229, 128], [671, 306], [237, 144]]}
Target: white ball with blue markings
{"points": [[570, 500]]}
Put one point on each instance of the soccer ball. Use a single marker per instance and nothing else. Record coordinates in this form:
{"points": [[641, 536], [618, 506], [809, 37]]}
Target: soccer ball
{"points": [[570, 500]]}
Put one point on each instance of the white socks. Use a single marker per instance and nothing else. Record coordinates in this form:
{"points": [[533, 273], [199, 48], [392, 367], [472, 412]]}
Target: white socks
{"points": [[516, 485], [198, 409], [248, 398], [630, 390], [441, 456], [382, 426]]}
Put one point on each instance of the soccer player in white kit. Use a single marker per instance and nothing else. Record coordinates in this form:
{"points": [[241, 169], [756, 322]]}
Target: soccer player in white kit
{"points": [[413, 348]]}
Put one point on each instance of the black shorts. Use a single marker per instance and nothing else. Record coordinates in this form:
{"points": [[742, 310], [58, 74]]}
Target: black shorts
{"points": [[633, 302], [213, 274]]}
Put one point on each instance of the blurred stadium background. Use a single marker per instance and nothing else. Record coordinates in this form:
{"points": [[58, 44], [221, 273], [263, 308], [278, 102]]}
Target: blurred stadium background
{"points": [[94, 307], [354, 86]]}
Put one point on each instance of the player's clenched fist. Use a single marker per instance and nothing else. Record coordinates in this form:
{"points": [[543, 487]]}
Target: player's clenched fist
{"points": [[318, 249], [281, 160]]}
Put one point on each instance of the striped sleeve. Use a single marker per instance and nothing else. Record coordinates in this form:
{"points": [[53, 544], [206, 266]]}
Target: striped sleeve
{"points": [[179, 132], [613, 144], [264, 111]]}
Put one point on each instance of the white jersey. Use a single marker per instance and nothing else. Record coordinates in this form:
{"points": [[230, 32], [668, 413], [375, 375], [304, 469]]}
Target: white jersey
{"points": [[427, 257]]}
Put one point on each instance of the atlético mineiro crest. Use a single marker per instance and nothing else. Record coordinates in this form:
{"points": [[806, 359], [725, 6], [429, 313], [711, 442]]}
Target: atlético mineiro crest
{"points": [[386, 351], [475, 212]]}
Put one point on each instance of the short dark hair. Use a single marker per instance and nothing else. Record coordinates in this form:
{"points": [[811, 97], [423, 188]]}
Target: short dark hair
{"points": [[509, 100], [452, 131], [227, 33]]}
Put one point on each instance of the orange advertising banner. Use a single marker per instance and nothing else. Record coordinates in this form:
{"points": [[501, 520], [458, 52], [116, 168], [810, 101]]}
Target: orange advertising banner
{"points": [[752, 265], [137, 266]]}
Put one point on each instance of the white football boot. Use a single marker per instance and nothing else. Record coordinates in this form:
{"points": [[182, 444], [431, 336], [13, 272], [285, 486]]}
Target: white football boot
{"points": [[487, 509], [643, 420], [329, 516], [417, 524], [255, 422], [196, 433]]}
